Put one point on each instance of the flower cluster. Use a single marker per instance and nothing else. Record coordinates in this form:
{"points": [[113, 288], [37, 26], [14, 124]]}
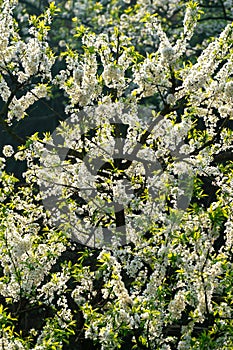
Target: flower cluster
{"points": [[118, 232]]}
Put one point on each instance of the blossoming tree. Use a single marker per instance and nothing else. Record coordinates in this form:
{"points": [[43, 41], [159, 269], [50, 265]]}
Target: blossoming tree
{"points": [[118, 232]]}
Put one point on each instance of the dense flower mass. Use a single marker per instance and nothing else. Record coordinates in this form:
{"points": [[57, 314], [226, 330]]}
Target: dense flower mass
{"points": [[116, 175]]}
